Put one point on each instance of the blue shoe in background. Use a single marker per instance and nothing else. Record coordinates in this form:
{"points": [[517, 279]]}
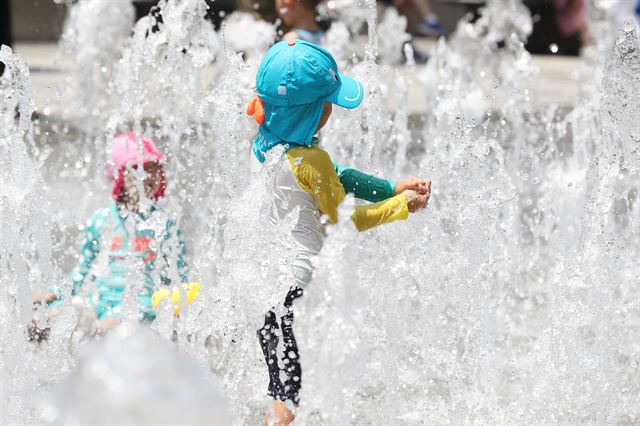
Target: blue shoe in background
{"points": [[431, 27]]}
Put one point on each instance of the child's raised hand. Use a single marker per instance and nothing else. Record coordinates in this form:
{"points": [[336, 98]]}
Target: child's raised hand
{"points": [[421, 186], [256, 109]]}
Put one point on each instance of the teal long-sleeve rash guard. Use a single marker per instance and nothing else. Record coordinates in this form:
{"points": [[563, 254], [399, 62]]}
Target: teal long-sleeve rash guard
{"points": [[364, 186]]}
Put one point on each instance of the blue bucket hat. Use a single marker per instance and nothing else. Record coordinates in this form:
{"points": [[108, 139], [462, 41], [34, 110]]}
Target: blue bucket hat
{"points": [[294, 81]]}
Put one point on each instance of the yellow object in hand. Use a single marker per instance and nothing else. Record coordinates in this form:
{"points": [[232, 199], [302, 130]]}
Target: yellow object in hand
{"points": [[192, 289]]}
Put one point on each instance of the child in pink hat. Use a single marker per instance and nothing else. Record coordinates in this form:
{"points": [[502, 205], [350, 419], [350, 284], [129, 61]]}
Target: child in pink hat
{"points": [[124, 152], [128, 248]]}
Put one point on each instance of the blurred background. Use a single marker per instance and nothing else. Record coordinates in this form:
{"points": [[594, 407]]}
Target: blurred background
{"points": [[525, 309], [557, 22]]}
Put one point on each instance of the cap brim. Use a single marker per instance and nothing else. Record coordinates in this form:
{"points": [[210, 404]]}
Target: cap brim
{"points": [[349, 94]]}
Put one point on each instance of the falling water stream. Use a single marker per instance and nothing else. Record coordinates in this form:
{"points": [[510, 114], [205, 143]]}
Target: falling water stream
{"points": [[514, 298]]}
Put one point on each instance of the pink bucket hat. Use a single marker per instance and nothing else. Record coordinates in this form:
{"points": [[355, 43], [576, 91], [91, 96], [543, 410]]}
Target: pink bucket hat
{"points": [[124, 150]]}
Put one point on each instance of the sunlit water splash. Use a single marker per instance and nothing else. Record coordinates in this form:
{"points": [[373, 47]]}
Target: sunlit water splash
{"points": [[511, 300]]}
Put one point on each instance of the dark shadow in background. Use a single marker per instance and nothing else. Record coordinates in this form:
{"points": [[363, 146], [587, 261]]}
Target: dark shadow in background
{"points": [[546, 31], [5, 27], [218, 9]]}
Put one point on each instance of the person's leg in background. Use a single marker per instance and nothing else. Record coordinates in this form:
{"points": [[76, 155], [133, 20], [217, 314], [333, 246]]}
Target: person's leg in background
{"points": [[218, 10], [417, 10], [429, 24]]}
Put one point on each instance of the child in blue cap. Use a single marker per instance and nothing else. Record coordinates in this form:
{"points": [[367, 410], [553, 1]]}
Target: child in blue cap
{"points": [[297, 83]]}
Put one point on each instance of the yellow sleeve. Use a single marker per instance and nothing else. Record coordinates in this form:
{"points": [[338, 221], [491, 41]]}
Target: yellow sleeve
{"points": [[315, 173], [389, 210]]}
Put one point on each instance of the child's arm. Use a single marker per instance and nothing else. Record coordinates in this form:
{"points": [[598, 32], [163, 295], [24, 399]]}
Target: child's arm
{"points": [[89, 251], [374, 189], [389, 205], [315, 173], [386, 211], [364, 186]]}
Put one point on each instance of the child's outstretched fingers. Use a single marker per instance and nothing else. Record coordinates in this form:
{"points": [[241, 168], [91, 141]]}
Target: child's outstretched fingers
{"points": [[427, 189], [422, 186], [413, 183]]}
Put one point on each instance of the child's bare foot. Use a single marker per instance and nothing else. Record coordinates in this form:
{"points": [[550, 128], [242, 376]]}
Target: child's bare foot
{"points": [[281, 415], [416, 201], [421, 186]]}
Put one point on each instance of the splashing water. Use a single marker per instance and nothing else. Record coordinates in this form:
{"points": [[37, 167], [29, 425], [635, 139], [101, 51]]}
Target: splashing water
{"points": [[26, 246], [513, 299], [93, 36], [156, 385]]}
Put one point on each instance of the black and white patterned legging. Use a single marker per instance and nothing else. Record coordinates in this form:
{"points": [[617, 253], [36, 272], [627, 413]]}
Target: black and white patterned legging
{"points": [[289, 368]]}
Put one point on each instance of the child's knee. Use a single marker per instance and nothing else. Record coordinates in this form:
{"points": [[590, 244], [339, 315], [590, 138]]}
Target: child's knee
{"points": [[302, 272]]}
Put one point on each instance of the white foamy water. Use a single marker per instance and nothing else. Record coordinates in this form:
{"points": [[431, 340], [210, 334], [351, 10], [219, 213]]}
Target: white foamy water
{"points": [[513, 299], [134, 377]]}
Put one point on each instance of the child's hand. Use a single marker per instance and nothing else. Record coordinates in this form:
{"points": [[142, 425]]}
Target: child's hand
{"points": [[415, 201], [421, 186], [45, 298]]}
